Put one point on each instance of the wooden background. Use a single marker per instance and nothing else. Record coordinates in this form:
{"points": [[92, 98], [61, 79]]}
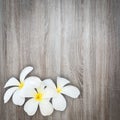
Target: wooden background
{"points": [[76, 39]]}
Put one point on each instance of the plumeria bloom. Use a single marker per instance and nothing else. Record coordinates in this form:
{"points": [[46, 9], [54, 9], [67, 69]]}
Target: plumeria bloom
{"points": [[58, 101], [39, 97], [16, 86]]}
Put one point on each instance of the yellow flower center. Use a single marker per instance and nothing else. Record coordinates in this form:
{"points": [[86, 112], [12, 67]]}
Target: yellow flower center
{"points": [[21, 85], [38, 96], [59, 89]]}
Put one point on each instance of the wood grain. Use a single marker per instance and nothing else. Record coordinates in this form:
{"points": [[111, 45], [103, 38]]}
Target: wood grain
{"points": [[75, 39]]}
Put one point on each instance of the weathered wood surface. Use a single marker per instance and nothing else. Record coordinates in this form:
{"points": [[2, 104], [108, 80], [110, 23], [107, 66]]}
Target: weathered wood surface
{"points": [[76, 39]]}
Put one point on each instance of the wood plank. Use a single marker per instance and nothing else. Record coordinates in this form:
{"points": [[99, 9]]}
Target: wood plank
{"points": [[75, 39], [115, 105]]}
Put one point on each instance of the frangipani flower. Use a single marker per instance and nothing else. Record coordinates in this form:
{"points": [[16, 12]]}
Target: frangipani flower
{"points": [[58, 101], [16, 86], [39, 97]]}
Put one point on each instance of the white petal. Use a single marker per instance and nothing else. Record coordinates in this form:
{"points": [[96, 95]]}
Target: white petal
{"points": [[71, 91], [59, 103], [30, 107], [33, 82], [11, 82], [49, 92], [9, 93], [27, 92], [49, 83], [25, 72], [46, 108], [62, 82], [17, 99]]}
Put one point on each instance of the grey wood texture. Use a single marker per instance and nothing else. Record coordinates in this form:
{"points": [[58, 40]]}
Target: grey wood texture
{"points": [[75, 39]]}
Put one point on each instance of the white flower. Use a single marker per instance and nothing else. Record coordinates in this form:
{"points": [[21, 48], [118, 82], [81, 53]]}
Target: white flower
{"points": [[39, 97], [58, 101], [16, 86]]}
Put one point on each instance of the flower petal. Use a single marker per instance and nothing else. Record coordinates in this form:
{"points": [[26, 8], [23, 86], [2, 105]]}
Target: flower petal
{"points": [[17, 99], [30, 107], [49, 92], [49, 83], [25, 72], [33, 82], [46, 108], [11, 82], [27, 92], [9, 93], [71, 91], [59, 102], [62, 82]]}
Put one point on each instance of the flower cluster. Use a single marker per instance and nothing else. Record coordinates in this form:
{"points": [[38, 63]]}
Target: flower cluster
{"points": [[43, 94]]}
